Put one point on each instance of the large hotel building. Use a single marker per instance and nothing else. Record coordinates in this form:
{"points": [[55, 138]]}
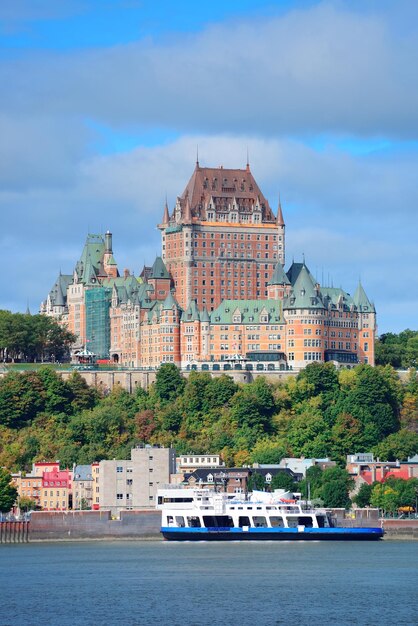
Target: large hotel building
{"points": [[218, 296]]}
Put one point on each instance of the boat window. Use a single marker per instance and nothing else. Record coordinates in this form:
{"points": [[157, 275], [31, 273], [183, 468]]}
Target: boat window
{"points": [[259, 508], [260, 521], [232, 508], [193, 522], [218, 521], [321, 519], [170, 520], [240, 508], [180, 521], [292, 522], [243, 520], [306, 520], [276, 521]]}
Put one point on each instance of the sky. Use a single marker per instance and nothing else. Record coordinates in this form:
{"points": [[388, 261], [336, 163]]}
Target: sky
{"points": [[103, 104]]}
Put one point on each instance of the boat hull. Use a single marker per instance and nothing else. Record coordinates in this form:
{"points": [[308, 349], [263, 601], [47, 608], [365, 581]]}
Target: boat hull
{"points": [[272, 534]]}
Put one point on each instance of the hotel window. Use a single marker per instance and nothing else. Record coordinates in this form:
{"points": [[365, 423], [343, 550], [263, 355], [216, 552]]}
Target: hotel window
{"points": [[119, 469]]}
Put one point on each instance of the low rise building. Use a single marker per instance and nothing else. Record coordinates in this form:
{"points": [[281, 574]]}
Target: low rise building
{"points": [[82, 487], [56, 492], [301, 465], [235, 479], [365, 468], [133, 484], [191, 462]]}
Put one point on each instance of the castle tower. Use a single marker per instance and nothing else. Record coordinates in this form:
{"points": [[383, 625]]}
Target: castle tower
{"points": [[222, 241]]}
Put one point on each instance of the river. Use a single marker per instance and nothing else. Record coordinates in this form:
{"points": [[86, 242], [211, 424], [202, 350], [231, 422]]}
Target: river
{"points": [[198, 584]]}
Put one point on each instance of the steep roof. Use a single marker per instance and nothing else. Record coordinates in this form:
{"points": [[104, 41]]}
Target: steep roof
{"points": [[191, 314], [222, 186], [250, 311], [170, 302], [294, 271], [304, 294], [361, 300], [279, 276], [88, 267], [159, 269], [58, 293]]}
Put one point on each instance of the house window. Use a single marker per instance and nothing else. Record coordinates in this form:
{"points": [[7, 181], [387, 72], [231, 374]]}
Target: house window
{"points": [[119, 469]]}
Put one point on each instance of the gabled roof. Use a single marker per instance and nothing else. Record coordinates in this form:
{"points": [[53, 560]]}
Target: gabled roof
{"points": [[279, 276], [361, 300], [249, 310], [159, 269]]}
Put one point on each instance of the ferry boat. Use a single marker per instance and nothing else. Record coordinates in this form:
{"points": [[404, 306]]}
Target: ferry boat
{"points": [[205, 515]]}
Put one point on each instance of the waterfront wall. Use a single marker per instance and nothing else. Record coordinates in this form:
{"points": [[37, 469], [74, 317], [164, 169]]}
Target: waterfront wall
{"points": [[14, 532], [145, 524], [75, 525], [400, 528]]}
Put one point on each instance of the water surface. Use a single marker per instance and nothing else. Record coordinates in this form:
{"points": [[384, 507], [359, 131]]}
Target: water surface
{"points": [[199, 584]]}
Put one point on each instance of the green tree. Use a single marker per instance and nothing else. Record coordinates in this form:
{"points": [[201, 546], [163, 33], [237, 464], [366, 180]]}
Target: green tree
{"points": [[83, 396], [362, 498], [335, 487], [26, 504], [218, 392], [283, 480], [21, 398], [322, 378], [8, 493], [397, 447], [256, 482], [169, 383], [268, 451]]}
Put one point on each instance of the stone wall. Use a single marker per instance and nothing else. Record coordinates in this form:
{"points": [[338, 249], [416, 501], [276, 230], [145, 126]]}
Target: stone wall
{"points": [[75, 525]]}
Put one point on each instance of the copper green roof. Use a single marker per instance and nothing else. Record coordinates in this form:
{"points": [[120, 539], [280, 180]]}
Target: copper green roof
{"points": [[170, 302], [58, 293], [159, 269], [204, 315], [333, 297], [279, 276], [304, 294], [248, 312], [191, 314], [88, 266], [361, 301], [294, 271]]}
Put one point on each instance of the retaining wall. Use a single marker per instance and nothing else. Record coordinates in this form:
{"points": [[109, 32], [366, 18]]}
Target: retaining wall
{"points": [[14, 532], [73, 525]]}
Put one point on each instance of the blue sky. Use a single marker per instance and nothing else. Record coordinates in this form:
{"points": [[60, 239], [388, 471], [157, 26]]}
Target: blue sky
{"points": [[104, 102]]}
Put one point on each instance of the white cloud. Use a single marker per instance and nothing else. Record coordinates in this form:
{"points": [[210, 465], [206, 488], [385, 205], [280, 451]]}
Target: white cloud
{"points": [[126, 193], [323, 69]]}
